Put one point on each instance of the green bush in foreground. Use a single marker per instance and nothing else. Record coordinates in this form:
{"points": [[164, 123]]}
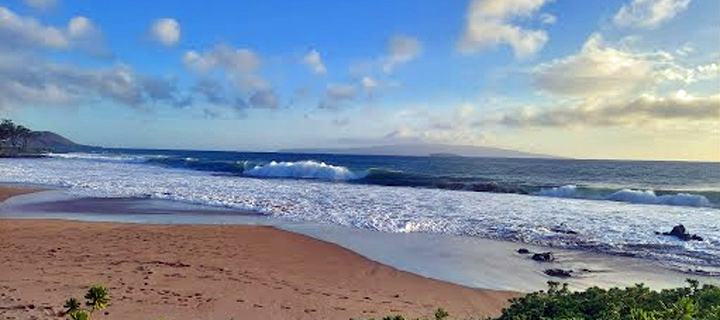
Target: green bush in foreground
{"points": [[97, 298], [633, 303]]}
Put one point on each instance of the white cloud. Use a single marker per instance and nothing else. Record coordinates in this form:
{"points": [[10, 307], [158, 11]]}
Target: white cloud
{"points": [[313, 60], [265, 99], [401, 49], [597, 70], [547, 18], [490, 23], [600, 70], [26, 81], [41, 4], [648, 13], [238, 65], [337, 96], [22, 32], [18, 33], [638, 111], [222, 57], [368, 83], [80, 26], [165, 31]]}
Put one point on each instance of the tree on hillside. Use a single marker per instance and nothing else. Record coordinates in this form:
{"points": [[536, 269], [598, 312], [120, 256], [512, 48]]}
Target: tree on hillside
{"points": [[14, 134]]}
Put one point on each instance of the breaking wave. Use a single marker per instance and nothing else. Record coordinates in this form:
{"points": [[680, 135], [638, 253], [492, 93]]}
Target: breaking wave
{"points": [[359, 173], [302, 170], [628, 195]]}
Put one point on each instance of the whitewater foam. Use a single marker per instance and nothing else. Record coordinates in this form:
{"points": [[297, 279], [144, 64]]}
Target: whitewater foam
{"points": [[605, 226], [302, 170], [630, 196]]}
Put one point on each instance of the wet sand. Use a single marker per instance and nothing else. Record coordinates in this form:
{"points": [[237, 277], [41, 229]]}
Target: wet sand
{"points": [[211, 272]]}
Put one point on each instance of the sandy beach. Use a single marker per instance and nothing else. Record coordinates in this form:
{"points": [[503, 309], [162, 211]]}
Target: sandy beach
{"points": [[210, 272]]}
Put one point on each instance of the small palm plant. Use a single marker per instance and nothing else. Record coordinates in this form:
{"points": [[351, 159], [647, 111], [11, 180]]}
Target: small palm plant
{"points": [[71, 305], [98, 298]]}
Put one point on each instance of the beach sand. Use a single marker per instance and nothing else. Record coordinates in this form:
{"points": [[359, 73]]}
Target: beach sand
{"points": [[7, 193], [211, 272]]}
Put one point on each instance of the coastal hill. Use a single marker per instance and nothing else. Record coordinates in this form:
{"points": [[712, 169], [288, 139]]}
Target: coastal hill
{"points": [[49, 140], [425, 150]]}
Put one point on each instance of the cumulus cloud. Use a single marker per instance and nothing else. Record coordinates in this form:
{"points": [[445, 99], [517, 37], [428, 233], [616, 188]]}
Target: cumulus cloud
{"points": [[337, 96], [222, 57], [239, 65], [165, 31], [313, 60], [491, 22], [401, 49], [212, 91], [368, 84], [26, 81], [264, 99], [648, 13], [41, 4], [596, 71], [19, 33], [22, 32], [636, 112], [600, 70], [547, 18]]}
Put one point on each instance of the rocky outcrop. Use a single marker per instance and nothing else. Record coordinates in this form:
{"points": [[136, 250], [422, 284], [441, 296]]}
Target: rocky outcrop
{"points": [[544, 257], [681, 233]]}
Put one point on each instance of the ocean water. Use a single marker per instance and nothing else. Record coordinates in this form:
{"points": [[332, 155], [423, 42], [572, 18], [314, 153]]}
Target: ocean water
{"points": [[610, 206]]}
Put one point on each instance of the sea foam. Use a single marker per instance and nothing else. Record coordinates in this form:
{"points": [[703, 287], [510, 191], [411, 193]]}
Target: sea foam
{"points": [[604, 226], [302, 170], [629, 195]]}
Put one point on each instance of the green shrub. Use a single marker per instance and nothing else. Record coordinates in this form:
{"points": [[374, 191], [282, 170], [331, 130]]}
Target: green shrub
{"points": [[638, 302], [632, 303], [98, 298]]}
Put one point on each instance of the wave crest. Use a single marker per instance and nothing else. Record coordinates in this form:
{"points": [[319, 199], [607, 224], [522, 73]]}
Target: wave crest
{"points": [[302, 170], [629, 195]]}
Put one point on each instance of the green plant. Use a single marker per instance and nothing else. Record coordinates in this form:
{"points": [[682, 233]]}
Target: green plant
{"points": [[98, 298], [638, 302]]}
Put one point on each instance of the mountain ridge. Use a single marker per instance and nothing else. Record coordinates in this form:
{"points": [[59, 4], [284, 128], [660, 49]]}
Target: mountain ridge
{"points": [[423, 150]]}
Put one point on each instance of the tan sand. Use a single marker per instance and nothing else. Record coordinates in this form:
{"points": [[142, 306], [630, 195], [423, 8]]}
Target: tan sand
{"points": [[211, 272], [7, 193]]}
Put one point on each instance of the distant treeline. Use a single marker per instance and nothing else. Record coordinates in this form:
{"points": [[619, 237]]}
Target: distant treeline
{"points": [[15, 135]]}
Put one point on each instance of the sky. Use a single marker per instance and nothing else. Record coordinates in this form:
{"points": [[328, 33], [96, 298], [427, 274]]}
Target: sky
{"points": [[620, 79]]}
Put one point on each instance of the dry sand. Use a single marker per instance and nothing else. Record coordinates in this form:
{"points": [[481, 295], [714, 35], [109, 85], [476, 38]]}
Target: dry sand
{"points": [[210, 272]]}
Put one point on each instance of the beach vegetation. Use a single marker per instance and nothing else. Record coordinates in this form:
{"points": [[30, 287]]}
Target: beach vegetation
{"points": [[97, 298], [691, 302]]}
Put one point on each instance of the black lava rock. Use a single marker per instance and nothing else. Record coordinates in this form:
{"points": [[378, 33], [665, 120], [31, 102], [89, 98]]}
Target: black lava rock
{"points": [[681, 233], [523, 251], [544, 257], [560, 273]]}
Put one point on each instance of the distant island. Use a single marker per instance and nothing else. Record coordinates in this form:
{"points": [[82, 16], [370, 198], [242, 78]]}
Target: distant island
{"points": [[424, 150]]}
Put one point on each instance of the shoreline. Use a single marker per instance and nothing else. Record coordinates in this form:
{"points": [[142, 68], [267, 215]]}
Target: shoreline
{"points": [[453, 261], [212, 271], [216, 272], [449, 258]]}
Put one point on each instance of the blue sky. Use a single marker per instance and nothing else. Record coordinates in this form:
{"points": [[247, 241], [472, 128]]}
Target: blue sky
{"points": [[637, 79]]}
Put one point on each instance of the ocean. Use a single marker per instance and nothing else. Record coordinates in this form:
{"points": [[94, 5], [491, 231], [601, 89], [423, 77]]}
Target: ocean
{"points": [[613, 207]]}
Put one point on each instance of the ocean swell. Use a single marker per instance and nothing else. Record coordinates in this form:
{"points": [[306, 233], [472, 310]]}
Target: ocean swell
{"points": [[628, 195]]}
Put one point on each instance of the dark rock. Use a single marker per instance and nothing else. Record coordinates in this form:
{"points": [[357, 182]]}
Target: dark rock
{"points": [[562, 228], [560, 273], [681, 233], [544, 257], [523, 251]]}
